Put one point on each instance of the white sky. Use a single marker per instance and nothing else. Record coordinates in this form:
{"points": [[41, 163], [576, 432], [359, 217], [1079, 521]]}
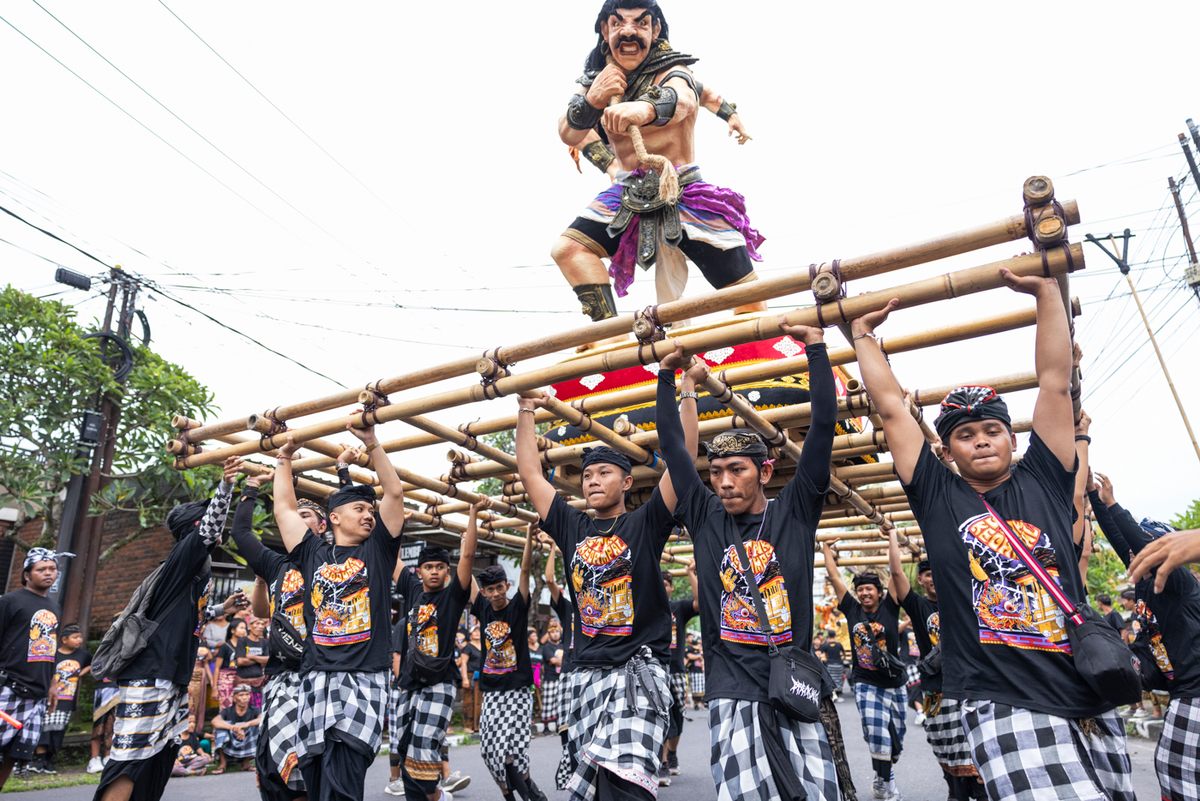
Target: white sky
{"points": [[875, 125]]}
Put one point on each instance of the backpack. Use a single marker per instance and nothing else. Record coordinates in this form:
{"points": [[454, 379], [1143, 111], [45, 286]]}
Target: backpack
{"points": [[129, 634]]}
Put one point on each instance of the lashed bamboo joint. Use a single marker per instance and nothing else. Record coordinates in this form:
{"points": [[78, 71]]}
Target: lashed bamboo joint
{"points": [[864, 499]]}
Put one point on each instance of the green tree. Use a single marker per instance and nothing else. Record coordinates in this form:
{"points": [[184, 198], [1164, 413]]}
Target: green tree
{"points": [[1189, 518], [50, 373], [1106, 571]]}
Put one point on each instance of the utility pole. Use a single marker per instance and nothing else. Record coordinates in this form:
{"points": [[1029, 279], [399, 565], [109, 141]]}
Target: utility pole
{"points": [[1191, 160], [1122, 262], [88, 531], [1192, 273]]}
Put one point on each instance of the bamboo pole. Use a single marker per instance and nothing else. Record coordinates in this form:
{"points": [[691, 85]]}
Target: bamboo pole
{"points": [[956, 243], [968, 281]]}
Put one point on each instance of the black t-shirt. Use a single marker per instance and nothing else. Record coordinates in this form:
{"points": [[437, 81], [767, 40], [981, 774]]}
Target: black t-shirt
{"points": [[781, 554], [551, 671], [28, 638], [926, 627], [1114, 619], [882, 628], [285, 590], [834, 653], [620, 602], [1168, 622], [432, 622], [177, 606], [1003, 635], [247, 647], [506, 664], [681, 612], [349, 600], [780, 545], [230, 714], [227, 654], [474, 660], [566, 616], [67, 670]]}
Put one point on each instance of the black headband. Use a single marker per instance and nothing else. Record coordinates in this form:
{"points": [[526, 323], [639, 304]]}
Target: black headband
{"points": [[433, 553], [970, 403], [183, 518], [868, 578], [493, 574], [606, 455], [350, 494]]}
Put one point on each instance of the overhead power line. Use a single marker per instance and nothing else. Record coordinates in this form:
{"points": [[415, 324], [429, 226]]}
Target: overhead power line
{"points": [[282, 113]]}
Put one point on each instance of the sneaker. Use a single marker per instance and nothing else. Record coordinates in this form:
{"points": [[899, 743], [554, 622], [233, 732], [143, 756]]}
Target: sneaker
{"points": [[395, 788], [95, 765], [104, 761], [920, 719], [673, 763], [664, 776], [879, 789], [446, 796], [455, 782], [47, 769], [893, 791]]}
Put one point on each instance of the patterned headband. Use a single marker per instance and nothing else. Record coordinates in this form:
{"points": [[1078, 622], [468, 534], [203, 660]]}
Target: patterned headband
{"points": [[36, 555]]}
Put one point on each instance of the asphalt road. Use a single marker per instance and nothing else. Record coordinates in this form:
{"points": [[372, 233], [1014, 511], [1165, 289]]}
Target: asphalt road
{"points": [[919, 776]]}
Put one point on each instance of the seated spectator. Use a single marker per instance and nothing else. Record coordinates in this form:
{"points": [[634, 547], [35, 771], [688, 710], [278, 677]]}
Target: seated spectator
{"points": [[191, 761], [236, 731]]}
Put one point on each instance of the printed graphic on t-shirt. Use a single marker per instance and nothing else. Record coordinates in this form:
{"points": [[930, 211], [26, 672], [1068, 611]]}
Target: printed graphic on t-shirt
{"points": [[342, 603], [42, 628], [1011, 606], [201, 608], [427, 629], [674, 638], [1144, 618], [501, 653], [861, 637], [933, 626], [66, 679], [291, 599], [739, 617], [602, 574]]}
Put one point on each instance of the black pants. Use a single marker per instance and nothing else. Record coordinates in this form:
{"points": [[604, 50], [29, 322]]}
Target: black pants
{"points": [[52, 741], [614, 788], [149, 776], [338, 773]]}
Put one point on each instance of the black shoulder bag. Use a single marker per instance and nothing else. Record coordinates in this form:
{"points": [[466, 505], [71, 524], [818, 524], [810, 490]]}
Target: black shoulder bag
{"points": [[1102, 659], [796, 678]]}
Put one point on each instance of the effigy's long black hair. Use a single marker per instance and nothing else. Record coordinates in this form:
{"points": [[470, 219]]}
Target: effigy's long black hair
{"points": [[597, 59]]}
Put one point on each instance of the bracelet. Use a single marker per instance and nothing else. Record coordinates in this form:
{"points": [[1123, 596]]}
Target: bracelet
{"points": [[1083, 438], [283, 458], [857, 337], [531, 411], [686, 394]]}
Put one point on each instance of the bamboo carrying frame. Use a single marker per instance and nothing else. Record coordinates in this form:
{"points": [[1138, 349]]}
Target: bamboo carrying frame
{"points": [[864, 499]]}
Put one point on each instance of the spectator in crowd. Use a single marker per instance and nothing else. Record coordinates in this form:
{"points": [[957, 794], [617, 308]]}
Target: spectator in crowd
{"points": [[552, 657], [72, 663], [104, 704], [213, 634], [1111, 616], [694, 658], [236, 730], [226, 662], [192, 760], [470, 663], [251, 657]]}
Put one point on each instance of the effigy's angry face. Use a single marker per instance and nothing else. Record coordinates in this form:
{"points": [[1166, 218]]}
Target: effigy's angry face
{"points": [[629, 33]]}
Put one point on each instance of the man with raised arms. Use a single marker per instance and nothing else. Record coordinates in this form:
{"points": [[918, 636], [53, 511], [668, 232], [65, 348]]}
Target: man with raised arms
{"points": [[622, 626], [779, 538], [347, 612], [1034, 726]]}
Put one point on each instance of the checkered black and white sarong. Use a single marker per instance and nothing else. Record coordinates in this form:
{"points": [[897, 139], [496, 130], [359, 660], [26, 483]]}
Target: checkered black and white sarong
{"points": [[393, 713], [679, 688], [421, 725], [696, 677], [567, 762], [739, 758], [552, 702], [31, 712], [944, 731], [837, 672], [57, 720], [504, 732], [349, 703], [280, 728], [883, 714], [1177, 758], [151, 714], [246, 747], [620, 724], [1024, 755]]}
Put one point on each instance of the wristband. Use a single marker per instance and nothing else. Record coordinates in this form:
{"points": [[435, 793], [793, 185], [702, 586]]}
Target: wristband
{"points": [[1083, 438], [531, 411], [687, 394]]}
